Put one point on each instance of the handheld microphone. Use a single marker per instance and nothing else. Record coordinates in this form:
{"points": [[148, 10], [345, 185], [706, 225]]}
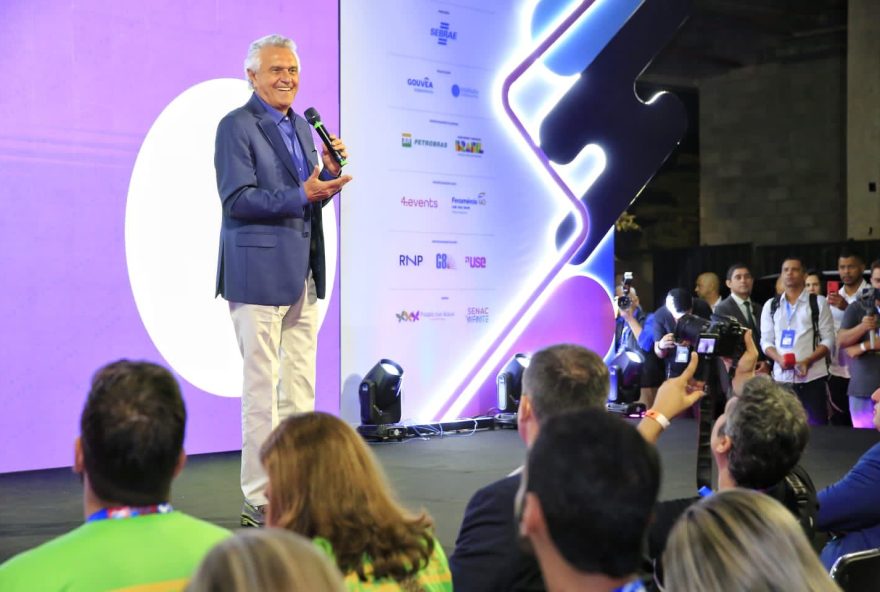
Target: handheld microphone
{"points": [[314, 120]]}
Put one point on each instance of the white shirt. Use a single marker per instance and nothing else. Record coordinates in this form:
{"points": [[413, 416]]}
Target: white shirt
{"points": [[798, 318], [713, 305], [838, 358], [742, 308]]}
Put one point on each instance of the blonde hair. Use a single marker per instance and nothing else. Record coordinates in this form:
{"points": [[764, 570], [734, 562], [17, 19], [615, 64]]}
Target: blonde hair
{"points": [[741, 540], [325, 482], [269, 560]]}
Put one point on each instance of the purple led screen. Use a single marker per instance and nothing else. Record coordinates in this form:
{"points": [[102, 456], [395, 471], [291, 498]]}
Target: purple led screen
{"points": [[85, 84]]}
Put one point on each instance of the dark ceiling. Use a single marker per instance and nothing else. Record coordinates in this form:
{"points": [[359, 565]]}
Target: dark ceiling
{"points": [[722, 35]]}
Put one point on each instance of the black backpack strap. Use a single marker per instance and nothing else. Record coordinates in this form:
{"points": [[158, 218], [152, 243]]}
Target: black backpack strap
{"points": [[814, 315]]}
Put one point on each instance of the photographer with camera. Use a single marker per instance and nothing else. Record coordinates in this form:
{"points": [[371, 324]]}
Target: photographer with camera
{"points": [[797, 332], [756, 443], [630, 316], [859, 339], [678, 303]]}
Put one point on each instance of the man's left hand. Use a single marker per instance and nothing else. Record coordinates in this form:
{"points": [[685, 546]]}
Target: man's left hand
{"points": [[329, 162], [837, 301]]}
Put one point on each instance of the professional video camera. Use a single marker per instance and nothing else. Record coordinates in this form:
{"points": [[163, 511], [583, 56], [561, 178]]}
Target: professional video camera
{"points": [[624, 301], [720, 337]]}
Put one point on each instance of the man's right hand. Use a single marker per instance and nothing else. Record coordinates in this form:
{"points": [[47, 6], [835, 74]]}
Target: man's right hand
{"points": [[318, 190], [869, 323], [837, 301], [667, 341]]}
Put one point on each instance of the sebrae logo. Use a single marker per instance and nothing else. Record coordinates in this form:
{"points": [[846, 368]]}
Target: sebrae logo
{"points": [[468, 146], [444, 34]]}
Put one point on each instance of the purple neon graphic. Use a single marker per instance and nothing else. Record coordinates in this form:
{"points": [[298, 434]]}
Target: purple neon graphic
{"points": [[578, 206]]}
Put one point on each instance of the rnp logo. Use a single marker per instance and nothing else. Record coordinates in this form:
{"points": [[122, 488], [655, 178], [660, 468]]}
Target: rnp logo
{"points": [[406, 260], [444, 261], [475, 262]]}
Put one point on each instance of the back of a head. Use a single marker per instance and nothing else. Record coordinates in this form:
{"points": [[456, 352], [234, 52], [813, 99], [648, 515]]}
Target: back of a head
{"points": [[768, 430], [680, 299], [269, 560], [324, 482], [563, 378], [741, 540], [597, 481], [132, 430]]}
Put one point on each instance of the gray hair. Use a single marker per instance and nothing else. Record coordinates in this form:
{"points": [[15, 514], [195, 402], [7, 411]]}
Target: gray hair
{"points": [[252, 61], [563, 378], [768, 431]]}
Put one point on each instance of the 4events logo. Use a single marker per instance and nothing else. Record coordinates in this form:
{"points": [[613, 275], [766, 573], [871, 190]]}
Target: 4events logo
{"points": [[421, 85], [408, 141], [444, 261], [444, 33], [477, 314], [463, 205], [475, 262], [410, 260], [415, 202], [468, 146], [408, 316]]}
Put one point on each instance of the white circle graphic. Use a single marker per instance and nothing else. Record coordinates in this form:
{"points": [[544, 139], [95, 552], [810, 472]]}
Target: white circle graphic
{"points": [[172, 233]]}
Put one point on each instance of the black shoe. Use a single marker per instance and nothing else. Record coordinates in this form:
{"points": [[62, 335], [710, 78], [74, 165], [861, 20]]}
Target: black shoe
{"points": [[253, 516]]}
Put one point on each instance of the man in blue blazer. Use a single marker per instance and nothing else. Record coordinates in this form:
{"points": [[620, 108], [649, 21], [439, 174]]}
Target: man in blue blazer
{"points": [[271, 264]]}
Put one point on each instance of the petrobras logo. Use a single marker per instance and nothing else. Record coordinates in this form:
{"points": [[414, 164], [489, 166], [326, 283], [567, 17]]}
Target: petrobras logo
{"points": [[422, 85], [444, 33], [464, 92], [408, 141], [475, 262], [412, 202], [444, 261], [410, 260], [468, 146], [408, 316], [477, 314], [464, 204]]}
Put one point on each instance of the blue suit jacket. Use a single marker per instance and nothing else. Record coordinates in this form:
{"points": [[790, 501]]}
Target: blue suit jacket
{"points": [[270, 235]]}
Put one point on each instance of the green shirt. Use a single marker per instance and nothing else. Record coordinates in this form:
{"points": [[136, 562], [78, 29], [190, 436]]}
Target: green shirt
{"points": [[156, 552], [434, 577]]}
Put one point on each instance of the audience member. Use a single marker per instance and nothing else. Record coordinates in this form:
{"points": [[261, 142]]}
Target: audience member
{"points": [[849, 508], [797, 333], [325, 484], [129, 449], [756, 443], [854, 339], [740, 306], [851, 268], [741, 540], [678, 303], [268, 560], [559, 379], [586, 499], [812, 282], [708, 288]]}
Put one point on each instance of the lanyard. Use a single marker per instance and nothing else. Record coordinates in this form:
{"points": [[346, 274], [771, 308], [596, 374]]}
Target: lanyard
{"points": [[119, 512]]}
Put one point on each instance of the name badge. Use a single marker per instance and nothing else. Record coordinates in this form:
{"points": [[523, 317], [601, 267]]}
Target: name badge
{"points": [[787, 340]]}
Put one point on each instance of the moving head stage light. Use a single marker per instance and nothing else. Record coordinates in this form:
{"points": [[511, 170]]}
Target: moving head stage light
{"points": [[508, 386], [380, 393]]}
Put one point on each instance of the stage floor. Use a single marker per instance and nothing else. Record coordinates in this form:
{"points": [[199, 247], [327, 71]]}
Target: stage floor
{"points": [[438, 474]]}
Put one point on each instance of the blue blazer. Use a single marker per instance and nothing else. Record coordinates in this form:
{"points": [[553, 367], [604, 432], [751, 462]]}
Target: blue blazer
{"points": [[271, 235]]}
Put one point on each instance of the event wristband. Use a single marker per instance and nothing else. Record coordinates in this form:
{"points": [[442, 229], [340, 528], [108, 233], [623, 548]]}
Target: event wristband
{"points": [[658, 417]]}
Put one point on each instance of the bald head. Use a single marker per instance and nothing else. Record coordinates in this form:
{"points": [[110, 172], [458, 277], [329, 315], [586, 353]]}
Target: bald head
{"points": [[708, 286]]}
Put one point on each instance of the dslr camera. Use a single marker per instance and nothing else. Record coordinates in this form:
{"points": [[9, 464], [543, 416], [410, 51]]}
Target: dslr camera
{"points": [[722, 336], [624, 301]]}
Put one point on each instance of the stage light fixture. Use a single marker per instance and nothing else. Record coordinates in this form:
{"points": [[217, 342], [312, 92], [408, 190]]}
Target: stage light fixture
{"points": [[626, 370], [508, 383], [380, 393]]}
